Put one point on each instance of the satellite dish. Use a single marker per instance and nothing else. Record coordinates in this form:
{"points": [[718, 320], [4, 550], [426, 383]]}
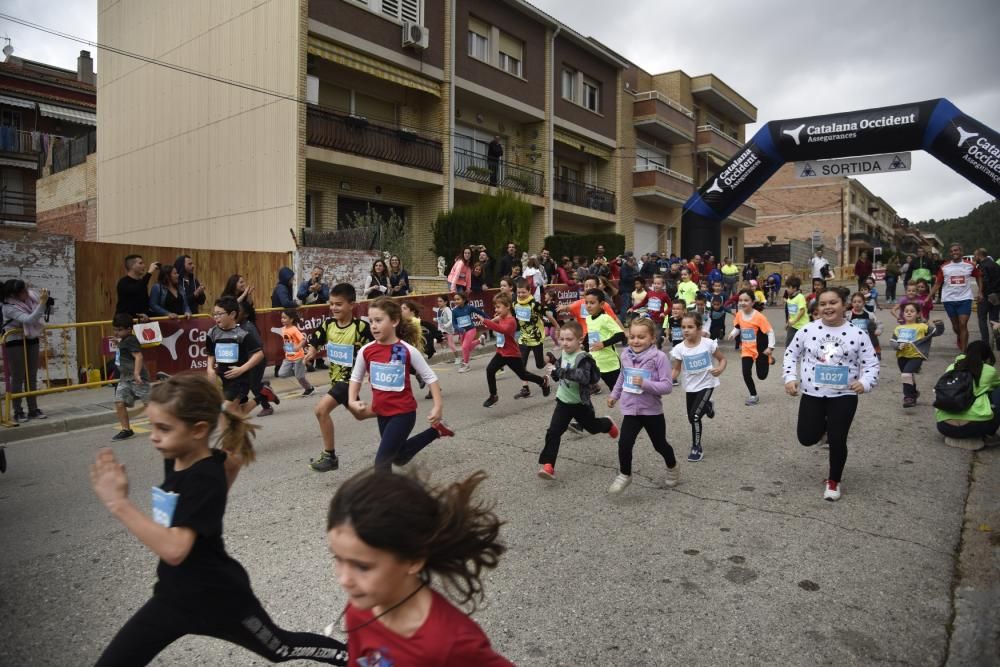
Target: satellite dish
{"points": [[7, 50]]}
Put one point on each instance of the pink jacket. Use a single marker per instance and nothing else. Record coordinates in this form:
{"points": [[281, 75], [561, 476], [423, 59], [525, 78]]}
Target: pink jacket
{"points": [[461, 274]]}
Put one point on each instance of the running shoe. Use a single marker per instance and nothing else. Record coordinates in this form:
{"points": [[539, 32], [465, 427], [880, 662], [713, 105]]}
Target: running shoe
{"points": [[502, 371], [309, 391], [490, 402], [909, 402], [546, 387], [20, 417], [482, 339], [320, 365], [326, 462], [265, 412], [123, 434], [671, 476], [524, 393], [36, 414], [429, 395], [547, 471], [676, 383], [752, 400], [458, 361], [464, 368], [832, 492], [696, 455], [268, 393], [575, 427], [443, 430], [710, 410], [619, 483], [613, 433], [420, 382]]}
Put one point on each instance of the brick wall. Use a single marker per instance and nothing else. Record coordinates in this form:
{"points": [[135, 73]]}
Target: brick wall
{"points": [[66, 202], [339, 265]]}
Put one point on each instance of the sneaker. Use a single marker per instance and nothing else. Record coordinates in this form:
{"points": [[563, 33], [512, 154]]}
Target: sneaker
{"points": [[676, 383], [326, 462], [546, 387], [710, 410], [547, 471], [309, 391], [429, 395], [613, 433], [833, 490], [482, 339], [458, 361], [123, 434], [909, 402], [524, 393], [269, 394], [502, 371], [265, 412], [752, 400], [464, 368], [490, 402], [36, 414], [443, 430], [696, 455], [20, 417], [619, 483], [320, 365], [672, 476], [575, 427]]}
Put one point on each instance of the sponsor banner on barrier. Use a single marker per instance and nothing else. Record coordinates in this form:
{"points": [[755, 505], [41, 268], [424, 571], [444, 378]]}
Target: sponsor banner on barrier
{"points": [[854, 166]]}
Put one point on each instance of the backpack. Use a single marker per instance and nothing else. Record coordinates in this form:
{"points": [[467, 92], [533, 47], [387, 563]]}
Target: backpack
{"points": [[955, 391]]}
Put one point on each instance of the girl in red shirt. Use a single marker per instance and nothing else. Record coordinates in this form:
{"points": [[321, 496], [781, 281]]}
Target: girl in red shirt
{"points": [[508, 354], [389, 535], [388, 362]]}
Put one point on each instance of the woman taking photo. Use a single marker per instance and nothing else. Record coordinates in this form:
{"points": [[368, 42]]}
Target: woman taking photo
{"points": [[479, 278], [399, 279], [980, 419], [167, 299], [460, 276], [377, 283], [23, 310]]}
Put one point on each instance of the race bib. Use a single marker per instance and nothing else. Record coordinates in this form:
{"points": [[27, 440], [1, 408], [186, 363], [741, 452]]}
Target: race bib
{"points": [[655, 304], [631, 374], [748, 335], [227, 353], [697, 363], [118, 358], [860, 322], [464, 322], [388, 377], [793, 310], [676, 333], [517, 336], [956, 280], [501, 340], [593, 337], [289, 348], [164, 505], [342, 355], [522, 313], [834, 377], [906, 335]]}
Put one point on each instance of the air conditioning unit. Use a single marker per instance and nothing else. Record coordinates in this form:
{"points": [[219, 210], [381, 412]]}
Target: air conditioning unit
{"points": [[416, 36]]}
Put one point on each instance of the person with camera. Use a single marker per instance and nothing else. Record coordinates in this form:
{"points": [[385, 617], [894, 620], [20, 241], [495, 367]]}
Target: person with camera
{"points": [[23, 313], [194, 291], [133, 288], [314, 290]]}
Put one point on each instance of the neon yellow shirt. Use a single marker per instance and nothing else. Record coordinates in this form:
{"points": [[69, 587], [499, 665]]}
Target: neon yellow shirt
{"points": [[798, 312]]}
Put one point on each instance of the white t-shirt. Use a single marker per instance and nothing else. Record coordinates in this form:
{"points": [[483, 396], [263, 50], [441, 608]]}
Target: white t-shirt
{"points": [[539, 277], [957, 279], [817, 264], [696, 362]]}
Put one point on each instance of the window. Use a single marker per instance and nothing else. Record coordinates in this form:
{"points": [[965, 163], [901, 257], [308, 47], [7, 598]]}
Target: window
{"points": [[591, 94], [648, 159], [569, 84], [356, 103], [569, 173], [10, 118], [471, 139], [400, 10], [310, 222], [511, 53], [510, 64], [671, 239], [479, 39]]}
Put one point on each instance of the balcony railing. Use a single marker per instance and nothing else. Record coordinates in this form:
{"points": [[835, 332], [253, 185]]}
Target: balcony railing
{"points": [[18, 141], [656, 95], [583, 194], [17, 206], [649, 179], [67, 153], [862, 237], [498, 173], [353, 134], [711, 138]]}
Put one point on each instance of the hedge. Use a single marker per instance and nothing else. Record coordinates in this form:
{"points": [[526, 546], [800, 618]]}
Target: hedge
{"points": [[492, 221], [571, 245]]}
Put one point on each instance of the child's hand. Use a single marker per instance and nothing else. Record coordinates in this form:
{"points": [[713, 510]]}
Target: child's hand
{"points": [[596, 347], [108, 478], [856, 387], [611, 402], [233, 372], [732, 335], [137, 379], [358, 406], [435, 416], [792, 388], [637, 381], [716, 371]]}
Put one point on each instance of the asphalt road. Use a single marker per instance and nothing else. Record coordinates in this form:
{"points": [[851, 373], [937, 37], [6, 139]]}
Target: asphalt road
{"points": [[742, 563]]}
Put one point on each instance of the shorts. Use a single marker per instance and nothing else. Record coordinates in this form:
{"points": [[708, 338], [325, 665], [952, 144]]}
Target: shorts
{"points": [[128, 392], [958, 308], [338, 392], [909, 365], [236, 390]]}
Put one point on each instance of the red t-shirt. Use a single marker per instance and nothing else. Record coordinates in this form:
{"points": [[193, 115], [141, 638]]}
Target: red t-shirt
{"points": [[388, 368], [652, 297], [448, 638], [506, 327]]}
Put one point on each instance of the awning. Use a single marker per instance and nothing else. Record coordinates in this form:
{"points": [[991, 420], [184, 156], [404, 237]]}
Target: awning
{"points": [[16, 102], [67, 114], [582, 144], [20, 164], [372, 66]]}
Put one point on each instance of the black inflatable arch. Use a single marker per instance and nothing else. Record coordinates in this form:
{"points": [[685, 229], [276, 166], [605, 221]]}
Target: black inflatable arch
{"points": [[936, 126]]}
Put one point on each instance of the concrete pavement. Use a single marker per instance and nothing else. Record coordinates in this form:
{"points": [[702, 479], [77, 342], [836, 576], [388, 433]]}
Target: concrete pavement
{"points": [[742, 563]]}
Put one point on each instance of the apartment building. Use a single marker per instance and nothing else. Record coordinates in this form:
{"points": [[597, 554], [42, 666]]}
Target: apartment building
{"points": [[836, 212], [43, 110], [402, 101]]}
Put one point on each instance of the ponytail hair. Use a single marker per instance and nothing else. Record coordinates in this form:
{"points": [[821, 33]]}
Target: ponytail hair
{"points": [[193, 398], [456, 535], [406, 329], [977, 355]]}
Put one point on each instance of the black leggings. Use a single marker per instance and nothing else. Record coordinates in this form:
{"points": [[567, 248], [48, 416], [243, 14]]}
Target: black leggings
{"points": [[656, 429], [527, 351], [561, 417], [833, 416], [697, 405], [762, 368], [160, 622], [611, 378], [513, 363]]}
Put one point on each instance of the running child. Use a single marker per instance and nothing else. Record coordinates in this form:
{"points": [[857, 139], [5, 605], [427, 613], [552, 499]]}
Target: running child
{"points": [[657, 306], [387, 360], [391, 536], [508, 353], [687, 289], [342, 335], [530, 334], [837, 363], [445, 326], [551, 310], [717, 319], [860, 317], [465, 328], [232, 352], [911, 296], [751, 326], [796, 309], [294, 342], [133, 378], [701, 307], [673, 327], [645, 379], [871, 295], [638, 297], [576, 372], [259, 388], [200, 589], [602, 333], [913, 344], [694, 357]]}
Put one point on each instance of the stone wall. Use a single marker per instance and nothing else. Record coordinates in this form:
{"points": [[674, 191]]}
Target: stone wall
{"points": [[339, 265]]}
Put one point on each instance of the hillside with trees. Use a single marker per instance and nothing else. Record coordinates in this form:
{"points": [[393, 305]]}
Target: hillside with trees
{"points": [[980, 228]]}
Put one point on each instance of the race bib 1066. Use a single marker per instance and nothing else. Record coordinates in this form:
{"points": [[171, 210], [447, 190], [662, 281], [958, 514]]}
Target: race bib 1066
{"points": [[227, 353], [340, 354], [388, 377]]}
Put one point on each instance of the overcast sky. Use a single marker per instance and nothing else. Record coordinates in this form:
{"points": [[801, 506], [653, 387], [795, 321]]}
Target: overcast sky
{"points": [[789, 58]]}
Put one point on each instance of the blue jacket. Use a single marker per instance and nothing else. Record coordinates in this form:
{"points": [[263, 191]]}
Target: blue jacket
{"points": [[321, 297], [281, 297]]}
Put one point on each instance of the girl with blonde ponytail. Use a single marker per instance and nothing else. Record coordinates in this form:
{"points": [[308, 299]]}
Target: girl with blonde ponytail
{"points": [[200, 589]]}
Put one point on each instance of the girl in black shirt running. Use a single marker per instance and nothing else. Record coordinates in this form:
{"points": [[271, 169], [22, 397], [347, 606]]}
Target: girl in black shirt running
{"points": [[200, 589]]}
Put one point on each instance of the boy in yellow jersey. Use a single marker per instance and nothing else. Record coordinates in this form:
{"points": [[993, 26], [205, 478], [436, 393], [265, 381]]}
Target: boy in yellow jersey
{"points": [[602, 332], [796, 309], [530, 334], [687, 290]]}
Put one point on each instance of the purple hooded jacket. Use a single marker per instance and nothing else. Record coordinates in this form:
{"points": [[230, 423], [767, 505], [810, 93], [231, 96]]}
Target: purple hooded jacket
{"points": [[649, 402]]}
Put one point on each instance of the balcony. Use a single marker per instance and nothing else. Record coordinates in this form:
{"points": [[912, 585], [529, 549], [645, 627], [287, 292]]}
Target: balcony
{"points": [[68, 154], [356, 135], [582, 194], [711, 140], [862, 239], [711, 90], [477, 168], [661, 185], [659, 116], [16, 206], [17, 142], [744, 216]]}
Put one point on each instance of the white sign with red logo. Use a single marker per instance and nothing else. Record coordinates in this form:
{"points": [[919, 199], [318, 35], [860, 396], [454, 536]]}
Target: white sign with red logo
{"points": [[148, 334]]}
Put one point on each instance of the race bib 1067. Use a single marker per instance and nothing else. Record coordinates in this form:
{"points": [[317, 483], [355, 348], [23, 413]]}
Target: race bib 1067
{"points": [[388, 377]]}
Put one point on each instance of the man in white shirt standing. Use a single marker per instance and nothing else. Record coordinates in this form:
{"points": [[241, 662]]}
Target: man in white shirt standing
{"points": [[954, 280], [817, 263]]}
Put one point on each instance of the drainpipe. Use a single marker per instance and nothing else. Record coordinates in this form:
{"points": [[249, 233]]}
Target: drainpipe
{"points": [[450, 179], [549, 223]]}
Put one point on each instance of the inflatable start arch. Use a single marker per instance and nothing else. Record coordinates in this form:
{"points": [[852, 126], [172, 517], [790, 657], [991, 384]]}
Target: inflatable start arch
{"points": [[936, 126]]}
